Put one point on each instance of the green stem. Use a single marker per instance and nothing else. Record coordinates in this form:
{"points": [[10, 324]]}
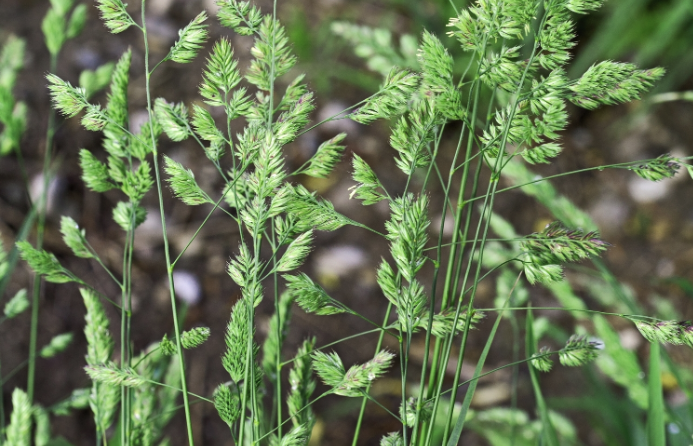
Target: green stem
{"points": [[362, 411], [169, 267], [484, 220], [40, 231]]}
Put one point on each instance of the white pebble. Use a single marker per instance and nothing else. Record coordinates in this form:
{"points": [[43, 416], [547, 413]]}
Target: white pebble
{"points": [[187, 287], [645, 191], [339, 260]]}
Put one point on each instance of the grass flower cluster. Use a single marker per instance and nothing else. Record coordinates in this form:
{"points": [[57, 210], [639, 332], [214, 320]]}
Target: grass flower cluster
{"points": [[507, 108]]}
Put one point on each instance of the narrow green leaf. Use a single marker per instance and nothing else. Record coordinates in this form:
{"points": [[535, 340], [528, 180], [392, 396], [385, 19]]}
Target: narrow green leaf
{"points": [[655, 409], [459, 424], [549, 435]]}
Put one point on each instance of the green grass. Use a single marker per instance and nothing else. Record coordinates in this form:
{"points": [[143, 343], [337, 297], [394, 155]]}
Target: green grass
{"points": [[475, 98]]}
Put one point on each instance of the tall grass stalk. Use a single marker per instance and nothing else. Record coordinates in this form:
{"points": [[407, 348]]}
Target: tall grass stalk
{"points": [[509, 107]]}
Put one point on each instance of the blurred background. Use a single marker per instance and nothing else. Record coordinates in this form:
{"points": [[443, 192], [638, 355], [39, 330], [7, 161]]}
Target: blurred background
{"points": [[650, 225]]}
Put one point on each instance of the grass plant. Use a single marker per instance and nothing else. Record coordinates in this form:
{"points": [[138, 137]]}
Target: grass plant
{"points": [[506, 111]]}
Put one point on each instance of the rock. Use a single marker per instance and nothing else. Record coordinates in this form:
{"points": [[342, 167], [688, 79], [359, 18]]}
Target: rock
{"points": [[339, 125], [645, 191], [56, 186], [187, 287], [339, 260]]}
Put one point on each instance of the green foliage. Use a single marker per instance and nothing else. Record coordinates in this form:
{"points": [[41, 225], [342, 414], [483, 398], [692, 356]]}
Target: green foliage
{"points": [[296, 253], [227, 403], [501, 425], [94, 172], [221, 75], [314, 212], [325, 158], [182, 182], [57, 344], [367, 185], [99, 341], [195, 337], [665, 332], [42, 431], [116, 139], [411, 136], [93, 81], [408, 412], [67, 99], [191, 39], [18, 432], [278, 328], [12, 113], [167, 347], [205, 127], [354, 381], [129, 216], [517, 52], [57, 27], [114, 376], [114, 15], [237, 334], [407, 233], [104, 397], [656, 434], [619, 363], [578, 351], [173, 119], [75, 238], [44, 263], [445, 322], [612, 83], [17, 305], [390, 101], [271, 52], [302, 386], [541, 361], [311, 297], [664, 166], [232, 13], [437, 77], [555, 245], [78, 399], [376, 46]]}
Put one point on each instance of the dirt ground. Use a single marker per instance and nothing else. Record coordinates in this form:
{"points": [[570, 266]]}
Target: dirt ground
{"points": [[650, 225]]}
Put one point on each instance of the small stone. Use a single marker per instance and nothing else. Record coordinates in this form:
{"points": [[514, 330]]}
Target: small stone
{"points": [[449, 224], [630, 338], [645, 191], [159, 7], [56, 185], [137, 120], [341, 124], [187, 287], [491, 395], [339, 260], [610, 213]]}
